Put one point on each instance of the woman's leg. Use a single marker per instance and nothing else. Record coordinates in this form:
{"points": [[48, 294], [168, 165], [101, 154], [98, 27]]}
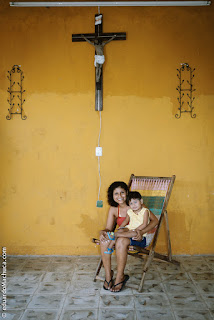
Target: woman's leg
{"points": [[106, 258], [121, 254]]}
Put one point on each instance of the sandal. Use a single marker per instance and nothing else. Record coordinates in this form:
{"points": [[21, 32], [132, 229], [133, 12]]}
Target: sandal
{"points": [[111, 235], [108, 283], [126, 278], [109, 251]]}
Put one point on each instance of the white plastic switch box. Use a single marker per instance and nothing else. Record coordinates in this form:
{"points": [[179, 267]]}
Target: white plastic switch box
{"points": [[99, 151]]}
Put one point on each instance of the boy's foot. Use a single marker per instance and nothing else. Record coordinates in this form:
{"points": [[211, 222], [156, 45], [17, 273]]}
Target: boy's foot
{"points": [[108, 284], [119, 286], [111, 235], [109, 251]]}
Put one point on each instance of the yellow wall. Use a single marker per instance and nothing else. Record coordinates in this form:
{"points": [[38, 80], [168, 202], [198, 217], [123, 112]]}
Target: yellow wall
{"points": [[49, 172]]}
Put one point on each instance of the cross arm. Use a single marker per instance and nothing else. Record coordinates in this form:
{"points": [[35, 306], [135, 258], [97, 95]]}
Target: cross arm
{"points": [[102, 37]]}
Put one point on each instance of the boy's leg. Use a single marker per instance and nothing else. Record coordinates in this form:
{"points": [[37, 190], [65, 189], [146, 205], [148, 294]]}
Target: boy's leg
{"points": [[112, 243]]}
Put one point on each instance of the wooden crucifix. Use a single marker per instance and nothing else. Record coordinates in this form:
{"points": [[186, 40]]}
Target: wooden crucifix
{"points": [[98, 40]]}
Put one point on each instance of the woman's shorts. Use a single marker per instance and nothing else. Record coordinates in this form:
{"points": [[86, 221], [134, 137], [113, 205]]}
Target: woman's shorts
{"points": [[141, 244]]}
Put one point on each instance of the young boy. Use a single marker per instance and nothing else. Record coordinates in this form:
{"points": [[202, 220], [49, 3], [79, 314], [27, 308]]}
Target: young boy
{"points": [[137, 219]]}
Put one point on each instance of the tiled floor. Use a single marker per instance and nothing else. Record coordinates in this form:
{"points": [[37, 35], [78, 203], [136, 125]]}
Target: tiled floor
{"points": [[61, 288]]}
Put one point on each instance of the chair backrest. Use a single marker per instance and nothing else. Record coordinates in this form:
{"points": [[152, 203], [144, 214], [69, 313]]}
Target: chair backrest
{"points": [[155, 192]]}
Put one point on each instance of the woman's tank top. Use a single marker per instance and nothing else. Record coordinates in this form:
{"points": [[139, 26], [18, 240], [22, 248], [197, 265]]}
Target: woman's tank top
{"points": [[119, 219]]}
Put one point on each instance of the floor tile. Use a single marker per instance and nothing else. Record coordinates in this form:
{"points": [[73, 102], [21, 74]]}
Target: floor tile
{"points": [[57, 276], [36, 266], [192, 315], [76, 301], [150, 275], [162, 314], [13, 314], [46, 301], [179, 287], [31, 276], [40, 315], [117, 314], [86, 267], [151, 287], [205, 286], [185, 301], [89, 259], [197, 266], [59, 287], [116, 301], [168, 276], [80, 314], [67, 259], [17, 301], [169, 267], [151, 301], [202, 276], [61, 267], [20, 287], [209, 300]]}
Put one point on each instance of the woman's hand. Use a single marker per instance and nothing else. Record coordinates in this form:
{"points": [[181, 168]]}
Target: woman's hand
{"points": [[103, 236]]}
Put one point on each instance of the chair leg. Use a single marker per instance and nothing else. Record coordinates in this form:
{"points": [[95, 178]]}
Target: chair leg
{"points": [[168, 236], [145, 269], [99, 266]]}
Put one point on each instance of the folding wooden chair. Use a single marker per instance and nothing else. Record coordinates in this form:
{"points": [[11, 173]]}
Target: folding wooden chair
{"points": [[156, 192]]}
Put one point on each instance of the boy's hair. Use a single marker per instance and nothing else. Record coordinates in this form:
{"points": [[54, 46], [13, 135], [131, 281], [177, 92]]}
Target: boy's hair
{"points": [[134, 195], [111, 189]]}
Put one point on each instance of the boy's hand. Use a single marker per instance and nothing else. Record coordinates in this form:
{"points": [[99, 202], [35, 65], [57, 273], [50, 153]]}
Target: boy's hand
{"points": [[138, 237]]}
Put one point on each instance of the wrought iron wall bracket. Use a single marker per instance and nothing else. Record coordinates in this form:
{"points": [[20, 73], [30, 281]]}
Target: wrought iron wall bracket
{"points": [[185, 89], [16, 91]]}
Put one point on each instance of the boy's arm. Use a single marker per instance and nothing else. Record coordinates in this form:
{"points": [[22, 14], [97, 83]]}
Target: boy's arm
{"points": [[145, 221], [125, 222]]}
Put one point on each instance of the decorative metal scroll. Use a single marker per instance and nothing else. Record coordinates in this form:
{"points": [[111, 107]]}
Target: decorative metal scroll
{"points": [[16, 91], [185, 89]]}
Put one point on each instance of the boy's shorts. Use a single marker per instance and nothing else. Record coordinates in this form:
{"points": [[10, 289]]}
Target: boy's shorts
{"points": [[141, 244]]}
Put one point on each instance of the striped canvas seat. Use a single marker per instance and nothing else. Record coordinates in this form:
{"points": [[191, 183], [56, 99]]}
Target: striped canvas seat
{"points": [[153, 191]]}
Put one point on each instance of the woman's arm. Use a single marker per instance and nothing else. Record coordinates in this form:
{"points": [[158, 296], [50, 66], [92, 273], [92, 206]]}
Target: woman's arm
{"points": [[125, 222]]}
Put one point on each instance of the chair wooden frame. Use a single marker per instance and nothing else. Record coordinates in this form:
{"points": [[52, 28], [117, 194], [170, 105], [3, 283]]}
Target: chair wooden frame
{"points": [[150, 252]]}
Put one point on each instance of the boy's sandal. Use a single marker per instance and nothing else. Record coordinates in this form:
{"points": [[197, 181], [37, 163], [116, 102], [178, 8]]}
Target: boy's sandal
{"points": [[126, 278], [109, 251], [108, 283], [111, 235], [133, 250]]}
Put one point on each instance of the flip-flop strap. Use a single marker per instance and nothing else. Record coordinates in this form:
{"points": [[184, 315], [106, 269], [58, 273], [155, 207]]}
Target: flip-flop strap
{"points": [[110, 279], [108, 283], [124, 281]]}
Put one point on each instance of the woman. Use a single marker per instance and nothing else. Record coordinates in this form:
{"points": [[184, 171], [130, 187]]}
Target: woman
{"points": [[117, 199]]}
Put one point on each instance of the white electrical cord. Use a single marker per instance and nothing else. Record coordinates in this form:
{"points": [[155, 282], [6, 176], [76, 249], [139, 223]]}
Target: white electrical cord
{"points": [[99, 158]]}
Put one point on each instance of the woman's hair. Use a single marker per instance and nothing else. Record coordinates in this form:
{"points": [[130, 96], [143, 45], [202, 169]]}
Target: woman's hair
{"points": [[111, 189], [134, 195]]}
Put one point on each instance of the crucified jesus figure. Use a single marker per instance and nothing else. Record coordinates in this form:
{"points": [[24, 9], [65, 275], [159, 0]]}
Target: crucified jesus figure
{"points": [[99, 56]]}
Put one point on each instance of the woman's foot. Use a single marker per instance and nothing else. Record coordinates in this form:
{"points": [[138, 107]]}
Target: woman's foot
{"points": [[108, 284], [120, 284]]}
